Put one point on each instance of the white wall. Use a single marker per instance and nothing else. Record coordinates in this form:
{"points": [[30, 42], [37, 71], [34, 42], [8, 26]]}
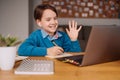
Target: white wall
{"points": [[14, 18]]}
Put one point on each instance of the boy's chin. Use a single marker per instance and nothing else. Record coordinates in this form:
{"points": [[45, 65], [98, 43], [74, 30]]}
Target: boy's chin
{"points": [[53, 31]]}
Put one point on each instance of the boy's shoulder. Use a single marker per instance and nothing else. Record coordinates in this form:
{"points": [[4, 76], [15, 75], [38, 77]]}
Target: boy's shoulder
{"points": [[36, 33], [62, 33]]}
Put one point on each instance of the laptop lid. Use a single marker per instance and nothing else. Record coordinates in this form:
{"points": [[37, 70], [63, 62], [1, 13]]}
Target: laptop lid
{"points": [[103, 45]]}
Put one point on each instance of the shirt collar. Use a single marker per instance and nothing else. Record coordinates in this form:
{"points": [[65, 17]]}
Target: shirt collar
{"points": [[45, 34]]}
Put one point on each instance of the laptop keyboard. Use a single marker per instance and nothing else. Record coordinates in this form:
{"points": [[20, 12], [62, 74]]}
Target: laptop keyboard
{"points": [[75, 60]]}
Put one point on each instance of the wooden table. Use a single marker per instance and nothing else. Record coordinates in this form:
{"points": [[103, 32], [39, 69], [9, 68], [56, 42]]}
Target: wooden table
{"points": [[65, 71]]}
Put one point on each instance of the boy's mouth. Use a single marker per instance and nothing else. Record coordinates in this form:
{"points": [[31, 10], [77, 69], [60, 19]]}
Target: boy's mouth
{"points": [[53, 27]]}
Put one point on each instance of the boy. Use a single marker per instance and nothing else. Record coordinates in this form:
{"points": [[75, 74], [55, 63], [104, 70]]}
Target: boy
{"points": [[47, 40]]}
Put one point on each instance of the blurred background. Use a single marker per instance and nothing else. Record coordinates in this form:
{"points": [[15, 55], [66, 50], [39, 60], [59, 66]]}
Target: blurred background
{"points": [[16, 16]]}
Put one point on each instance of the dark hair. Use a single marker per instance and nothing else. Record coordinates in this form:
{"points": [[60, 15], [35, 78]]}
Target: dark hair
{"points": [[38, 12]]}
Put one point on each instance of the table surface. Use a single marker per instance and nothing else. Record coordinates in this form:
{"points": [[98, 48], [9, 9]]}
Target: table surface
{"points": [[65, 71]]}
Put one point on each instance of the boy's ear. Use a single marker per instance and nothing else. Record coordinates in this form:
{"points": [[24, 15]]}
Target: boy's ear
{"points": [[38, 22]]}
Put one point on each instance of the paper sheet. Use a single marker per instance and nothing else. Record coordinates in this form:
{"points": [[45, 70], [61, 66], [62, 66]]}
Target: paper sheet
{"points": [[58, 56]]}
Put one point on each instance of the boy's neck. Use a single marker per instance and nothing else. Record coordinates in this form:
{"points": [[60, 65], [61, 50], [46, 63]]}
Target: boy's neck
{"points": [[51, 34]]}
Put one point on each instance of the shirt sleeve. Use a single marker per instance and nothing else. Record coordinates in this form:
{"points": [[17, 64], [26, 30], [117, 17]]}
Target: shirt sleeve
{"points": [[71, 46]]}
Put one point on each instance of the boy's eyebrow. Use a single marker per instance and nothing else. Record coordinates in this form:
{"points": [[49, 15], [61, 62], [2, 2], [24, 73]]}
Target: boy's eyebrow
{"points": [[50, 17]]}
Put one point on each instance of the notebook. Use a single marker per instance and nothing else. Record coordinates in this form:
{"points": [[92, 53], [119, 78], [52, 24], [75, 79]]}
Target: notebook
{"points": [[59, 56], [32, 66], [103, 46]]}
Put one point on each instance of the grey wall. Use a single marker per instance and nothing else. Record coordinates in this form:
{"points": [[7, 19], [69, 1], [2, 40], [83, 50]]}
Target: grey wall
{"points": [[33, 4], [14, 18], [91, 22]]}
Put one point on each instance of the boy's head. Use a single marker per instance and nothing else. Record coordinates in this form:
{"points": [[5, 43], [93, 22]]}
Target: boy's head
{"points": [[38, 12], [46, 18]]}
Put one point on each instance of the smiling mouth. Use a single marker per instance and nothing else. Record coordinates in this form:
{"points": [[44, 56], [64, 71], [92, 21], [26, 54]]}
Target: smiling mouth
{"points": [[53, 26]]}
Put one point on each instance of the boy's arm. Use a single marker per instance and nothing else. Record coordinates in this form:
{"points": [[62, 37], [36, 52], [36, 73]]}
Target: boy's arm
{"points": [[26, 49], [30, 46]]}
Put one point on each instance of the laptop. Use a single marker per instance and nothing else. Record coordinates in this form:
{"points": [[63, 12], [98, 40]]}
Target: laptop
{"points": [[103, 46]]}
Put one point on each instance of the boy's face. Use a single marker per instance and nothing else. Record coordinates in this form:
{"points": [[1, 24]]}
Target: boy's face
{"points": [[49, 21]]}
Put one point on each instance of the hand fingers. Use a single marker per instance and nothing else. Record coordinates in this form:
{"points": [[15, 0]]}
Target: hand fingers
{"points": [[61, 49], [75, 25], [67, 31], [72, 24], [69, 24], [58, 50], [79, 28]]}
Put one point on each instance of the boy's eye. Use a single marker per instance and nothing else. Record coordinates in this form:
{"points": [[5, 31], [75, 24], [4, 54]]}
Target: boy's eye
{"points": [[47, 19]]}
